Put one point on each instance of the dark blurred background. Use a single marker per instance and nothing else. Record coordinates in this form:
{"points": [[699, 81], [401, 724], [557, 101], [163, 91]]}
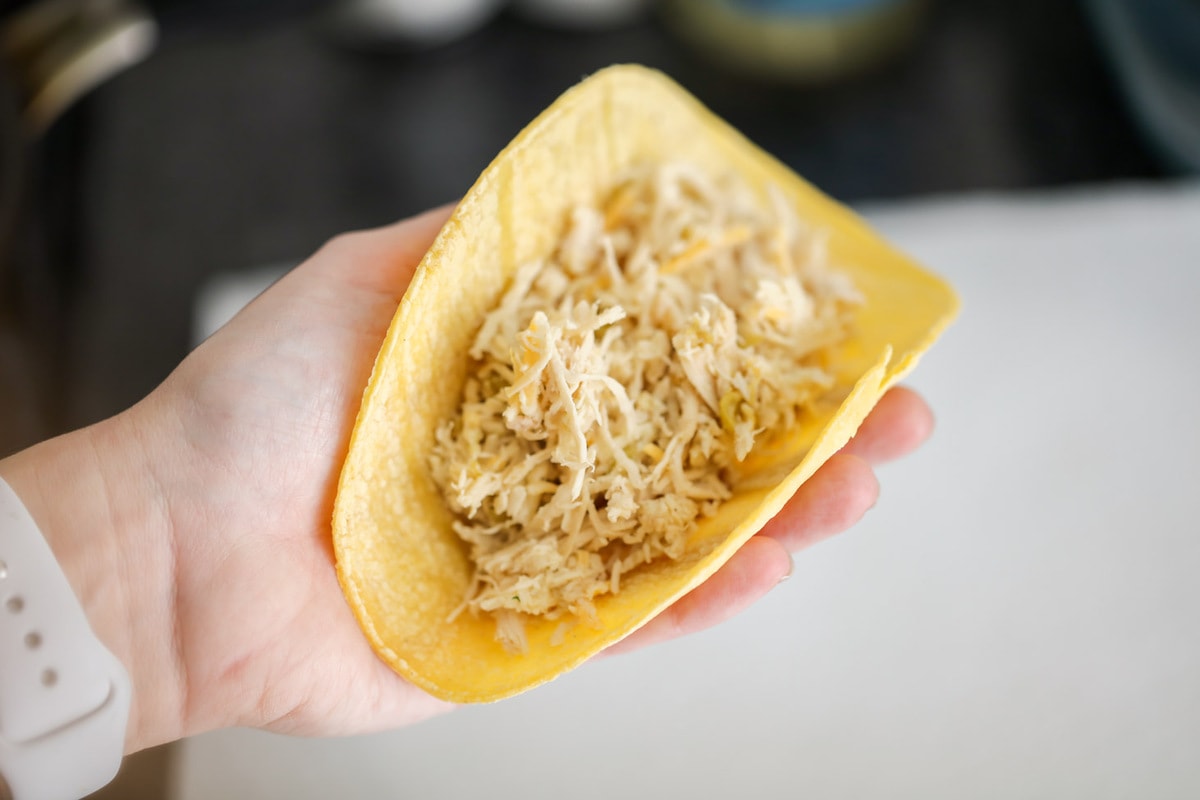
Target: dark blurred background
{"points": [[253, 132]]}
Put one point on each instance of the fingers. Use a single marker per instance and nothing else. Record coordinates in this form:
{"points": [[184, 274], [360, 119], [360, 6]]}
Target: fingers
{"points": [[753, 571], [895, 427], [845, 488], [832, 500]]}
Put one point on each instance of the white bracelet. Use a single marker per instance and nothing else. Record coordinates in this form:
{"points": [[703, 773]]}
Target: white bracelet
{"points": [[64, 698]]}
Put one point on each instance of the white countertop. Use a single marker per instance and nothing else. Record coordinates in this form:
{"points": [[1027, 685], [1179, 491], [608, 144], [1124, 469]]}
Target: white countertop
{"points": [[1018, 617]]}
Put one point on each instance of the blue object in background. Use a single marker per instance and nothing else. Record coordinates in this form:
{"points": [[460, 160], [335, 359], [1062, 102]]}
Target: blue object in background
{"points": [[807, 41], [1172, 29], [1154, 47]]}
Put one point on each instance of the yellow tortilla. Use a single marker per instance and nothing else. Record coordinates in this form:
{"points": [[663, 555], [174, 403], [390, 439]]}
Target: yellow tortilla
{"points": [[401, 566]]}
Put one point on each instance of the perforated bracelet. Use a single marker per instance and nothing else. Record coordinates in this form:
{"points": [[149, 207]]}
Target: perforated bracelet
{"points": [[64, 698]]}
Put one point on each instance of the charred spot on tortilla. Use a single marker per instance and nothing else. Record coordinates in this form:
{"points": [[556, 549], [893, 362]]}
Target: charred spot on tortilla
{"points": [[619, 383]]}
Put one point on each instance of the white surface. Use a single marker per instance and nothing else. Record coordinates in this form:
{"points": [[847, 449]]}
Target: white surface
{"points": [[1018, 617]]}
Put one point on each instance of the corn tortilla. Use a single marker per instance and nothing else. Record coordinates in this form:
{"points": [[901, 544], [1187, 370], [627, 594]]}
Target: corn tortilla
{"points": [[402, 567]]}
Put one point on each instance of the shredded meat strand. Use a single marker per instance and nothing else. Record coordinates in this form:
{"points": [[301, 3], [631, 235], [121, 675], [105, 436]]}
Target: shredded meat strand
{"points": [[617, 382]]}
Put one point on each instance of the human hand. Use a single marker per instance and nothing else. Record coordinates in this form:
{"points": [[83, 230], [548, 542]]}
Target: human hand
{"points": [[216, 495]]}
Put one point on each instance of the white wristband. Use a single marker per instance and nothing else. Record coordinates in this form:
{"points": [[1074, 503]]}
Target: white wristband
{"points": [[64, 698]]}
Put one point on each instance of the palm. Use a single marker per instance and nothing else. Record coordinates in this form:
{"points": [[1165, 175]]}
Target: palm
{"points": [[262, 631], [269, 402]]}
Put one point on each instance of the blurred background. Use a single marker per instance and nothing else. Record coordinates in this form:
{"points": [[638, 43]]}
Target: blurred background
{"points": [[164, 158]]}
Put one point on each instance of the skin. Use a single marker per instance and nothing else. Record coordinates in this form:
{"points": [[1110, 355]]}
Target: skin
{"points": [[194, 527]]}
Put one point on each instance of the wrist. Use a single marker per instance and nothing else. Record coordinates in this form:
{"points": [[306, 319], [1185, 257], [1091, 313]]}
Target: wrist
{"points": [[89, 493]]}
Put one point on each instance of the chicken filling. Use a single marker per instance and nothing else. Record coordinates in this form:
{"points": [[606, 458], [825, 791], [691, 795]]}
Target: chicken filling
{"points": [[619, 382]]}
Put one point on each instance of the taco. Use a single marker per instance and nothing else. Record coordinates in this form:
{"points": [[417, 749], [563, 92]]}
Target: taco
{"points": [[634, 339]]}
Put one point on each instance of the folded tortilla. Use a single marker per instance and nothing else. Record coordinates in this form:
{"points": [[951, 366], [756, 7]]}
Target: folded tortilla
{"points": [[402, 567]]}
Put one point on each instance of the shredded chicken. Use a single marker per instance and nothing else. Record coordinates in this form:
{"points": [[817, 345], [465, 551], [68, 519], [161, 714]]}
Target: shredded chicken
{"points": [[618, 382]]}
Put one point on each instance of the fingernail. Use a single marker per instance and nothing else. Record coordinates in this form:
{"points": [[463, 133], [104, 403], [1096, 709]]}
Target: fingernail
{"points": [[791, 569]]}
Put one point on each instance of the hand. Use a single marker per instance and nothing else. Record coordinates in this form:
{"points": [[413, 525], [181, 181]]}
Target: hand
{"points": [[831, 501], [195, 526]]}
